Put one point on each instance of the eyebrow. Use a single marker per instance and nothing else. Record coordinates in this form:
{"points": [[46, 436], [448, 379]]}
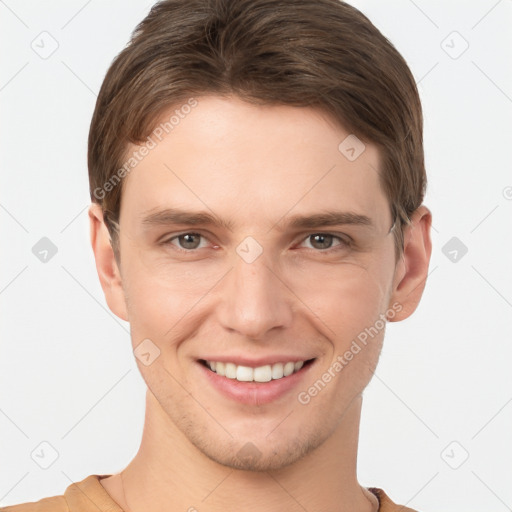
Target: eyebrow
{"points": [[328, 218], [170, 216], [176, 216]]}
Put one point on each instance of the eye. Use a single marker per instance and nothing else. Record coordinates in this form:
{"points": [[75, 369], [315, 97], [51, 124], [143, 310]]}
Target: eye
{"points": [[186, 241], [324, 241]]}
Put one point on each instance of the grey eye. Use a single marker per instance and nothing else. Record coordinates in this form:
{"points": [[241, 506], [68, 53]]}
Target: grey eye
{"points": [[186, 241], [321, 241]]}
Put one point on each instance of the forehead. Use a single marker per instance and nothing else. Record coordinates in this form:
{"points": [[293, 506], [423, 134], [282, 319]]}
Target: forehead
{"points": [[252, 165]]}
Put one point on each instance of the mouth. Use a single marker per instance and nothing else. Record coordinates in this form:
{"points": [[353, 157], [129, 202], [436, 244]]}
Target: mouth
{"points": [[259, 374], [255, 385]]}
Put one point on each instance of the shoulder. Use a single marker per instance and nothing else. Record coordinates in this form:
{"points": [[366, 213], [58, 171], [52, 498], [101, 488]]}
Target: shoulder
{"points": [[87, 495], [53, 504], [385, 502]]}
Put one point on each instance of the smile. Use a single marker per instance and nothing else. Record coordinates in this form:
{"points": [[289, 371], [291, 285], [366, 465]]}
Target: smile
{"points": [[264, 373]]}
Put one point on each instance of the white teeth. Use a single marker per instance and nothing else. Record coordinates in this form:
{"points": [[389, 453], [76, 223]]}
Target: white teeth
{"points": [[277, 371], [263, 373], [220, 368], [244, 373], [230, 370], [260, 374], [288, 369]]}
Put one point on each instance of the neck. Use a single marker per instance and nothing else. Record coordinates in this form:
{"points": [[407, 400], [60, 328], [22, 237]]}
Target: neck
{"points": [[170, 473]]}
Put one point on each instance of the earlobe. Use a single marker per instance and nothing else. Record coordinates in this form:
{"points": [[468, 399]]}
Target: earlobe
{"points": [[106, 265], [412, 269]]}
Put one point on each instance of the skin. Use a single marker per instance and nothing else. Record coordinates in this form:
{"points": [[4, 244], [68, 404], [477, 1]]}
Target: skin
{"points": [[254, 166]]}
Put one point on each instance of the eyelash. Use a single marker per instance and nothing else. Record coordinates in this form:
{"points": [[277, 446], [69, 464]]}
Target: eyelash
{"points": [[345, 242]]}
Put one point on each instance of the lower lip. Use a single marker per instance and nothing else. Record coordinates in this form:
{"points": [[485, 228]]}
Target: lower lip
{"points": [[254, 393]]}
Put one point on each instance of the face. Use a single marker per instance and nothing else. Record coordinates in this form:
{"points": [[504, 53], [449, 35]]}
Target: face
{"points": [[250, 241]]}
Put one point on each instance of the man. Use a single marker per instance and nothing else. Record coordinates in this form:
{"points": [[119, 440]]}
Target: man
{"points": [[257, 176]]}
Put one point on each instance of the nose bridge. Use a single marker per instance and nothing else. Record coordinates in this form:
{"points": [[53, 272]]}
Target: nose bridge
{"points": [[254, 298]]}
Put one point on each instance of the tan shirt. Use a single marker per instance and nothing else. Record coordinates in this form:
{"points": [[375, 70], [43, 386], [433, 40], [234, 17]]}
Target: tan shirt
{"points": [[90, 496]]}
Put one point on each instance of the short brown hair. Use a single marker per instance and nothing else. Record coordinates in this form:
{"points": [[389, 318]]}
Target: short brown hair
{"points": [[318, 53]]}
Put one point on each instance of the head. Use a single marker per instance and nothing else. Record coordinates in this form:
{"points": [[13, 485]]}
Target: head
{"points": [[257, 116]]}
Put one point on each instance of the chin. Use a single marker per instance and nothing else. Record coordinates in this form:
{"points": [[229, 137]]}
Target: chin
{"points": [[257, 455]]}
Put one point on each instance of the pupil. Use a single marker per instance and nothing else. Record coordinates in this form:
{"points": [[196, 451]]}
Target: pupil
{"points": [[188, 240], [324, 240]]}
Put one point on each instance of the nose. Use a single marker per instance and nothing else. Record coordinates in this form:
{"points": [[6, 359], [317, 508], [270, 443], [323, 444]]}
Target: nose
{"points": [[254, 299]]}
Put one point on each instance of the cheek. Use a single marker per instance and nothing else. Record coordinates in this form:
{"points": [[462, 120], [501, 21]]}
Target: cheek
{"points": [[154, 305], [158, 292], [346, 297], [354, 309]]}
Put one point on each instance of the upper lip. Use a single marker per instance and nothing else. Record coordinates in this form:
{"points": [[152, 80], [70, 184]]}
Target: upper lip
{"points": [[256, 362]]}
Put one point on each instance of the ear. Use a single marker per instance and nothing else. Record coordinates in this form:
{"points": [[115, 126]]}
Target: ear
{"points": [[106, 265], [412, 269]]}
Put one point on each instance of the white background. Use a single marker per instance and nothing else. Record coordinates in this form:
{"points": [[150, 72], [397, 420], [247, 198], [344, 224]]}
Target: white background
{"points": [[67, 374]]}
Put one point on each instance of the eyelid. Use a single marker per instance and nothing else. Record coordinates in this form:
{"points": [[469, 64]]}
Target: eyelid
{"points": [[344, 239], [166, 240]]}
